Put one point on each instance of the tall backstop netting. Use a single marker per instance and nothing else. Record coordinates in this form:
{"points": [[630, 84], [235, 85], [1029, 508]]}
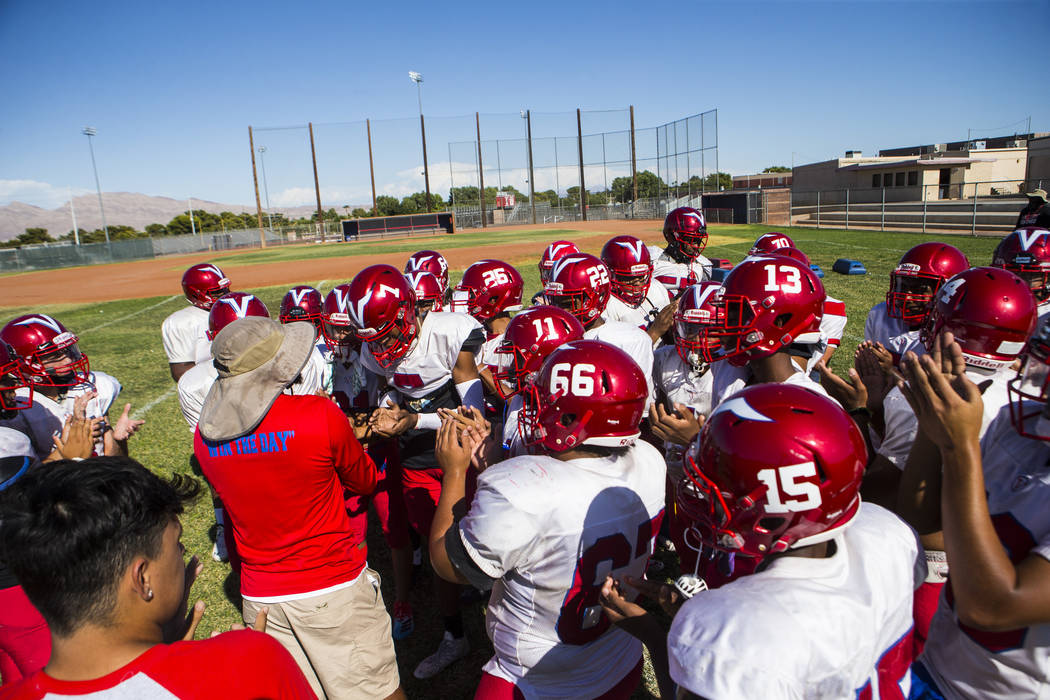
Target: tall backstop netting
{"points": [[527, 164]]}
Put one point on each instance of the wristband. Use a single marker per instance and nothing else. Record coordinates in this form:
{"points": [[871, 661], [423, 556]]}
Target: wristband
{"points": [[427, 421], [860, 411]]}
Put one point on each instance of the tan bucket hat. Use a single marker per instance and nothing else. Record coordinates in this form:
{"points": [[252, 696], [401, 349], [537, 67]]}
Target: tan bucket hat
{"points": [[1041, 194], [256, 358]]}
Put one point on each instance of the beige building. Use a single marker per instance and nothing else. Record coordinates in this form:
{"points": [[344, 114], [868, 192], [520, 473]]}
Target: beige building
{"points": [[923, 173], [1038, 174]]}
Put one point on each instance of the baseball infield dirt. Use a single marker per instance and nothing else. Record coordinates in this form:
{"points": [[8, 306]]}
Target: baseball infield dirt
{"points": [[160, 276]]}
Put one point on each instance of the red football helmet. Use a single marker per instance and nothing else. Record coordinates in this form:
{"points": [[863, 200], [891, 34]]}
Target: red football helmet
{"points": [[231, 307], [579, 284], [430, 295], [990, 311], [586, 393], [1029, 391], [528, 339], [776, 467], [631, 266], [685, 230], [1026, 253], [489, 288], [770, 243], [695, 316], [552, 254], [12, 379], [46, 351], [918, 276], [766, 304], [429, 261], [336, 327], [382, 308], [790, 252], [203, 284], [301, 303]]}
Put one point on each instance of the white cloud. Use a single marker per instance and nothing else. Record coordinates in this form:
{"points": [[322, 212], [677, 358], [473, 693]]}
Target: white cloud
{"points": [[39, 194]]}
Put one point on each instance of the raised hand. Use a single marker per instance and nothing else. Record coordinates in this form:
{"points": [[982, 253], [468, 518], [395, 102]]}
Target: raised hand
{"points": [[679, 426], [126, 426]]}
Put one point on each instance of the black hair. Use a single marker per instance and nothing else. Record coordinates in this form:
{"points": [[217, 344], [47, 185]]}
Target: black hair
{"points": [[70, 530]]}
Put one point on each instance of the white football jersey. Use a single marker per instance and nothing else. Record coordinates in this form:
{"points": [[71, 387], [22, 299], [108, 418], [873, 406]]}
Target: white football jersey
{"points": [[633, 341], [37, 424], [971, 663], [196, 382], [487, 357], [833, 322], [183, 333], [428, 363], [680, 383], [902, 425], [55, 412], [728, 379], [512, 441], [352, 385], [643, 314], [839, 627], [891, 332], [549, 532], [676, 276]]}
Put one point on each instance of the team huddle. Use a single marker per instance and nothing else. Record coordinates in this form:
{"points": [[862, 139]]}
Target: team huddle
{"points": [[882, 535]]}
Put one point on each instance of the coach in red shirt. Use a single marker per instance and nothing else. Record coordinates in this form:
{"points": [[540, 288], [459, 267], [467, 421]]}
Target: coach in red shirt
{"points": [[280, 464]]}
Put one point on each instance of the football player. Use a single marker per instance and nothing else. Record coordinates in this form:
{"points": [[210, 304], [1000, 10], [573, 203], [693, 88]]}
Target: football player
{"points": [[550, 255], [301, 303], [1026, 253], [832, 323], [634, 298], [430, 295], [183, 332], [357, 391], [427, 364], [433, 262], [489, 291], [50, 359], [541, 527], [988, 638], [770, 243], [991, 313], [680, 263], [530, 336], [793, 559], [581, 285], [894, 324]]}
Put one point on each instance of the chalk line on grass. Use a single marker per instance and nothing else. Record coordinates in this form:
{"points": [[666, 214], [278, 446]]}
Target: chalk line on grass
{"points": [[131, 315], [150, 405]]}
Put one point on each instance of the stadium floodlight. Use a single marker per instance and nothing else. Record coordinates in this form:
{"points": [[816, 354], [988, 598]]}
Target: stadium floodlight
{"points": [[90, 131], [415, 77]]}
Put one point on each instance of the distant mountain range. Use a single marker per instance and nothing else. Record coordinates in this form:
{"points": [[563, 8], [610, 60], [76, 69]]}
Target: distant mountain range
{"points": [[126, 208]]}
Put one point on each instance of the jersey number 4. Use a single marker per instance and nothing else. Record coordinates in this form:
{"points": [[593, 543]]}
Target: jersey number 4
{"points": [[581, 620]]}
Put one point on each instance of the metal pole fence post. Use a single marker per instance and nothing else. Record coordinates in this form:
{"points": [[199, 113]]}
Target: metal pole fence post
{"points": [[532, 175], [255, 181], [847, 209], [481, 172], [317, 184], [371, 167], [923, 207], [451, 179], [882, 225], [579, 145], [818, 208], [634, 162], [426, 169], [973, 224]]}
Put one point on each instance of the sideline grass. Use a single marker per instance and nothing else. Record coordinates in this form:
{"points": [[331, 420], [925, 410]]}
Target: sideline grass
{"points": [[123, 339]]}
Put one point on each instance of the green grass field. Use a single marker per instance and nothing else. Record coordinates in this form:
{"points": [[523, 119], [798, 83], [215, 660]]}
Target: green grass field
{"points": [[123, 339]]}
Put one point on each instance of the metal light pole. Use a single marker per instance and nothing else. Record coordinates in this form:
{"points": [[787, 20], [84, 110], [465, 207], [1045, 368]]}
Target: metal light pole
{"points": [[266, 189], [90, 131], [417, 78]]}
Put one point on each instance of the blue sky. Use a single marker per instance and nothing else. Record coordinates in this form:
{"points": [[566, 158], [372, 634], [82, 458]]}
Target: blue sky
{"points": [[172, 87]]}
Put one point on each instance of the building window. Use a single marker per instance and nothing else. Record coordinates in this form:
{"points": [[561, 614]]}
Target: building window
{"points": [[876, 180], [887, 180], [900, 180], [913, 178]]}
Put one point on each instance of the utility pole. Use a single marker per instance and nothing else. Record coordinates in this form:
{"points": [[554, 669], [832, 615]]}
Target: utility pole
{"points": [[255, 181]]}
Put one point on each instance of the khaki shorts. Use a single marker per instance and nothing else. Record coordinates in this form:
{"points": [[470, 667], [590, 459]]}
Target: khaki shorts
{"points": [[340, 640]]}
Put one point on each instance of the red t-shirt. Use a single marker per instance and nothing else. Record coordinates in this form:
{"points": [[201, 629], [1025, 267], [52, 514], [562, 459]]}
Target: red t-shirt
{"points": [[282, 488], [242, 664]]}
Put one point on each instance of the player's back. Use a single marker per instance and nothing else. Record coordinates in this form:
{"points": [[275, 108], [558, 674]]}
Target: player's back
{"points": [[565, 524], [838, 627]]}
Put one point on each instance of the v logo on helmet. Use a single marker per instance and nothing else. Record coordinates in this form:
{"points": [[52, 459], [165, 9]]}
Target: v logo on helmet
{"points": [[42, 319], [298, 295], [239, 306], [212, 268], [357, 312], [633, 246], [700, 294], [413, 278], [419, 263], [559, 265], [1028, 237], [741, 408]]}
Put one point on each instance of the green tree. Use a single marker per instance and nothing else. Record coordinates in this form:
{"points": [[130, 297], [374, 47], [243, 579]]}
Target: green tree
{"points": [[31, 236], [387, 206], [518, 196], [156, 230], [549, 196], [359, 213], [777, 169], [718, 181]]}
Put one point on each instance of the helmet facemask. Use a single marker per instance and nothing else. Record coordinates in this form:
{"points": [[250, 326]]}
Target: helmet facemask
{"points": [[911, 296], [393, 341], [632, 287], [59, 365], [1029, 392], [11, 380]]}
